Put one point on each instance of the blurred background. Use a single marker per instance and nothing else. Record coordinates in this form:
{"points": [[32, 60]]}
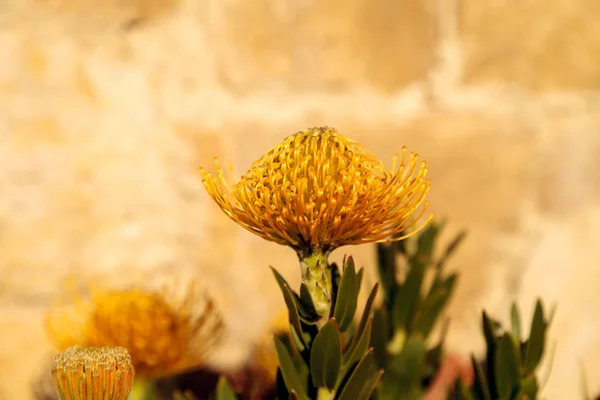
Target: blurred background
{"points": [[107, 109]]}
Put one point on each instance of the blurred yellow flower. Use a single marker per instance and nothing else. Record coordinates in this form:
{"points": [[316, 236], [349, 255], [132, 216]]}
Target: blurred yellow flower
{"points": [[102, 373], [319, 190], [164, 336]]}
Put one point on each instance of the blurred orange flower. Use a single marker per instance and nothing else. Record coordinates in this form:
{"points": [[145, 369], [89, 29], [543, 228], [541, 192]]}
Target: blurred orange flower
{"points": [[164, 336]]}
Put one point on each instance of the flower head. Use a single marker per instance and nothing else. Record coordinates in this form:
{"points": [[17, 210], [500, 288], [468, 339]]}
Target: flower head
{"points": [[163, 336], [319, 190], [93, 373]]}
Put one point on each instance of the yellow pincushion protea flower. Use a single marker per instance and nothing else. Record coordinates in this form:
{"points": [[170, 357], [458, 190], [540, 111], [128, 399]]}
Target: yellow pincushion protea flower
{"points": [[164, 336], [319, 190], [103, 373]]}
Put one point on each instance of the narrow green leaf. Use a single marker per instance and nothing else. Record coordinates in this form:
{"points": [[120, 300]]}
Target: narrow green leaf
{"points": [[356, 351], [347, 298], [426, 243], [294, 378], [367, 311], [489, 332], [293, 396], [506, 367], [450, 249], [480, 384], [359, 277], [431, 308], [224, 391], [336, 278], [440, 282], [326, 356], [295, 353], [515, 321], [537, 340], [435, 354], [304, 303], [406, 367], [281, 390], [380, 337], [288, 297], [386, 266], [363, 380], [530, 387], [307, 311], [349, 263], [407, 297]]}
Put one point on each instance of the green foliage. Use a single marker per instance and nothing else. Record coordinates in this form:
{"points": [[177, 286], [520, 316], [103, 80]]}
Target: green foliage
{"points": [[327, 359], [224, 391], [411, 309], [341, 358], [508, 371]]}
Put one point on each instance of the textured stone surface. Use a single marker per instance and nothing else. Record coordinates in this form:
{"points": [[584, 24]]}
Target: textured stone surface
{"points": [[542, 45], [323, 45], [22, 337]]}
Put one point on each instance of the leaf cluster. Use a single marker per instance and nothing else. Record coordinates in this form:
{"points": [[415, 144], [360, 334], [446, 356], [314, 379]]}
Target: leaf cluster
{"points": [[511, 361], [412, 307]]}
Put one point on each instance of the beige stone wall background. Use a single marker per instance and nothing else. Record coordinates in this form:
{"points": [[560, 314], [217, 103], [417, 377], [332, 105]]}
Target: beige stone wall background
{"points": [[107, 109]]}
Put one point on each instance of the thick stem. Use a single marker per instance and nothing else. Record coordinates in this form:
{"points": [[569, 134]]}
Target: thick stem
{"points": [[317, 277]]}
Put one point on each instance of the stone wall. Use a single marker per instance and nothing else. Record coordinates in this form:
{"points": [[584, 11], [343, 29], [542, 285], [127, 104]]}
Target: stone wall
{"points": [[107, 109]]}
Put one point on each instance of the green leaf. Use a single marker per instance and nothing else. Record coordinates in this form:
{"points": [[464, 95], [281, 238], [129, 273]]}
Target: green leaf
{"points": [[529, 387], [367, 311], [432, 306], [450, 249], [489, 332], [480, 384], [303, 303], [362, 381], [326, 356], [335, 280], [515, 322], [404, 370], [291, 304], [281, 391], [435, 354], [426, 243], [347, 298], [295, 378], [537, 338], [224, 391], [407, 298], [359, 277], [386, 264], [506, 367], [307, 312], [356, 351], [380, 337]]}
